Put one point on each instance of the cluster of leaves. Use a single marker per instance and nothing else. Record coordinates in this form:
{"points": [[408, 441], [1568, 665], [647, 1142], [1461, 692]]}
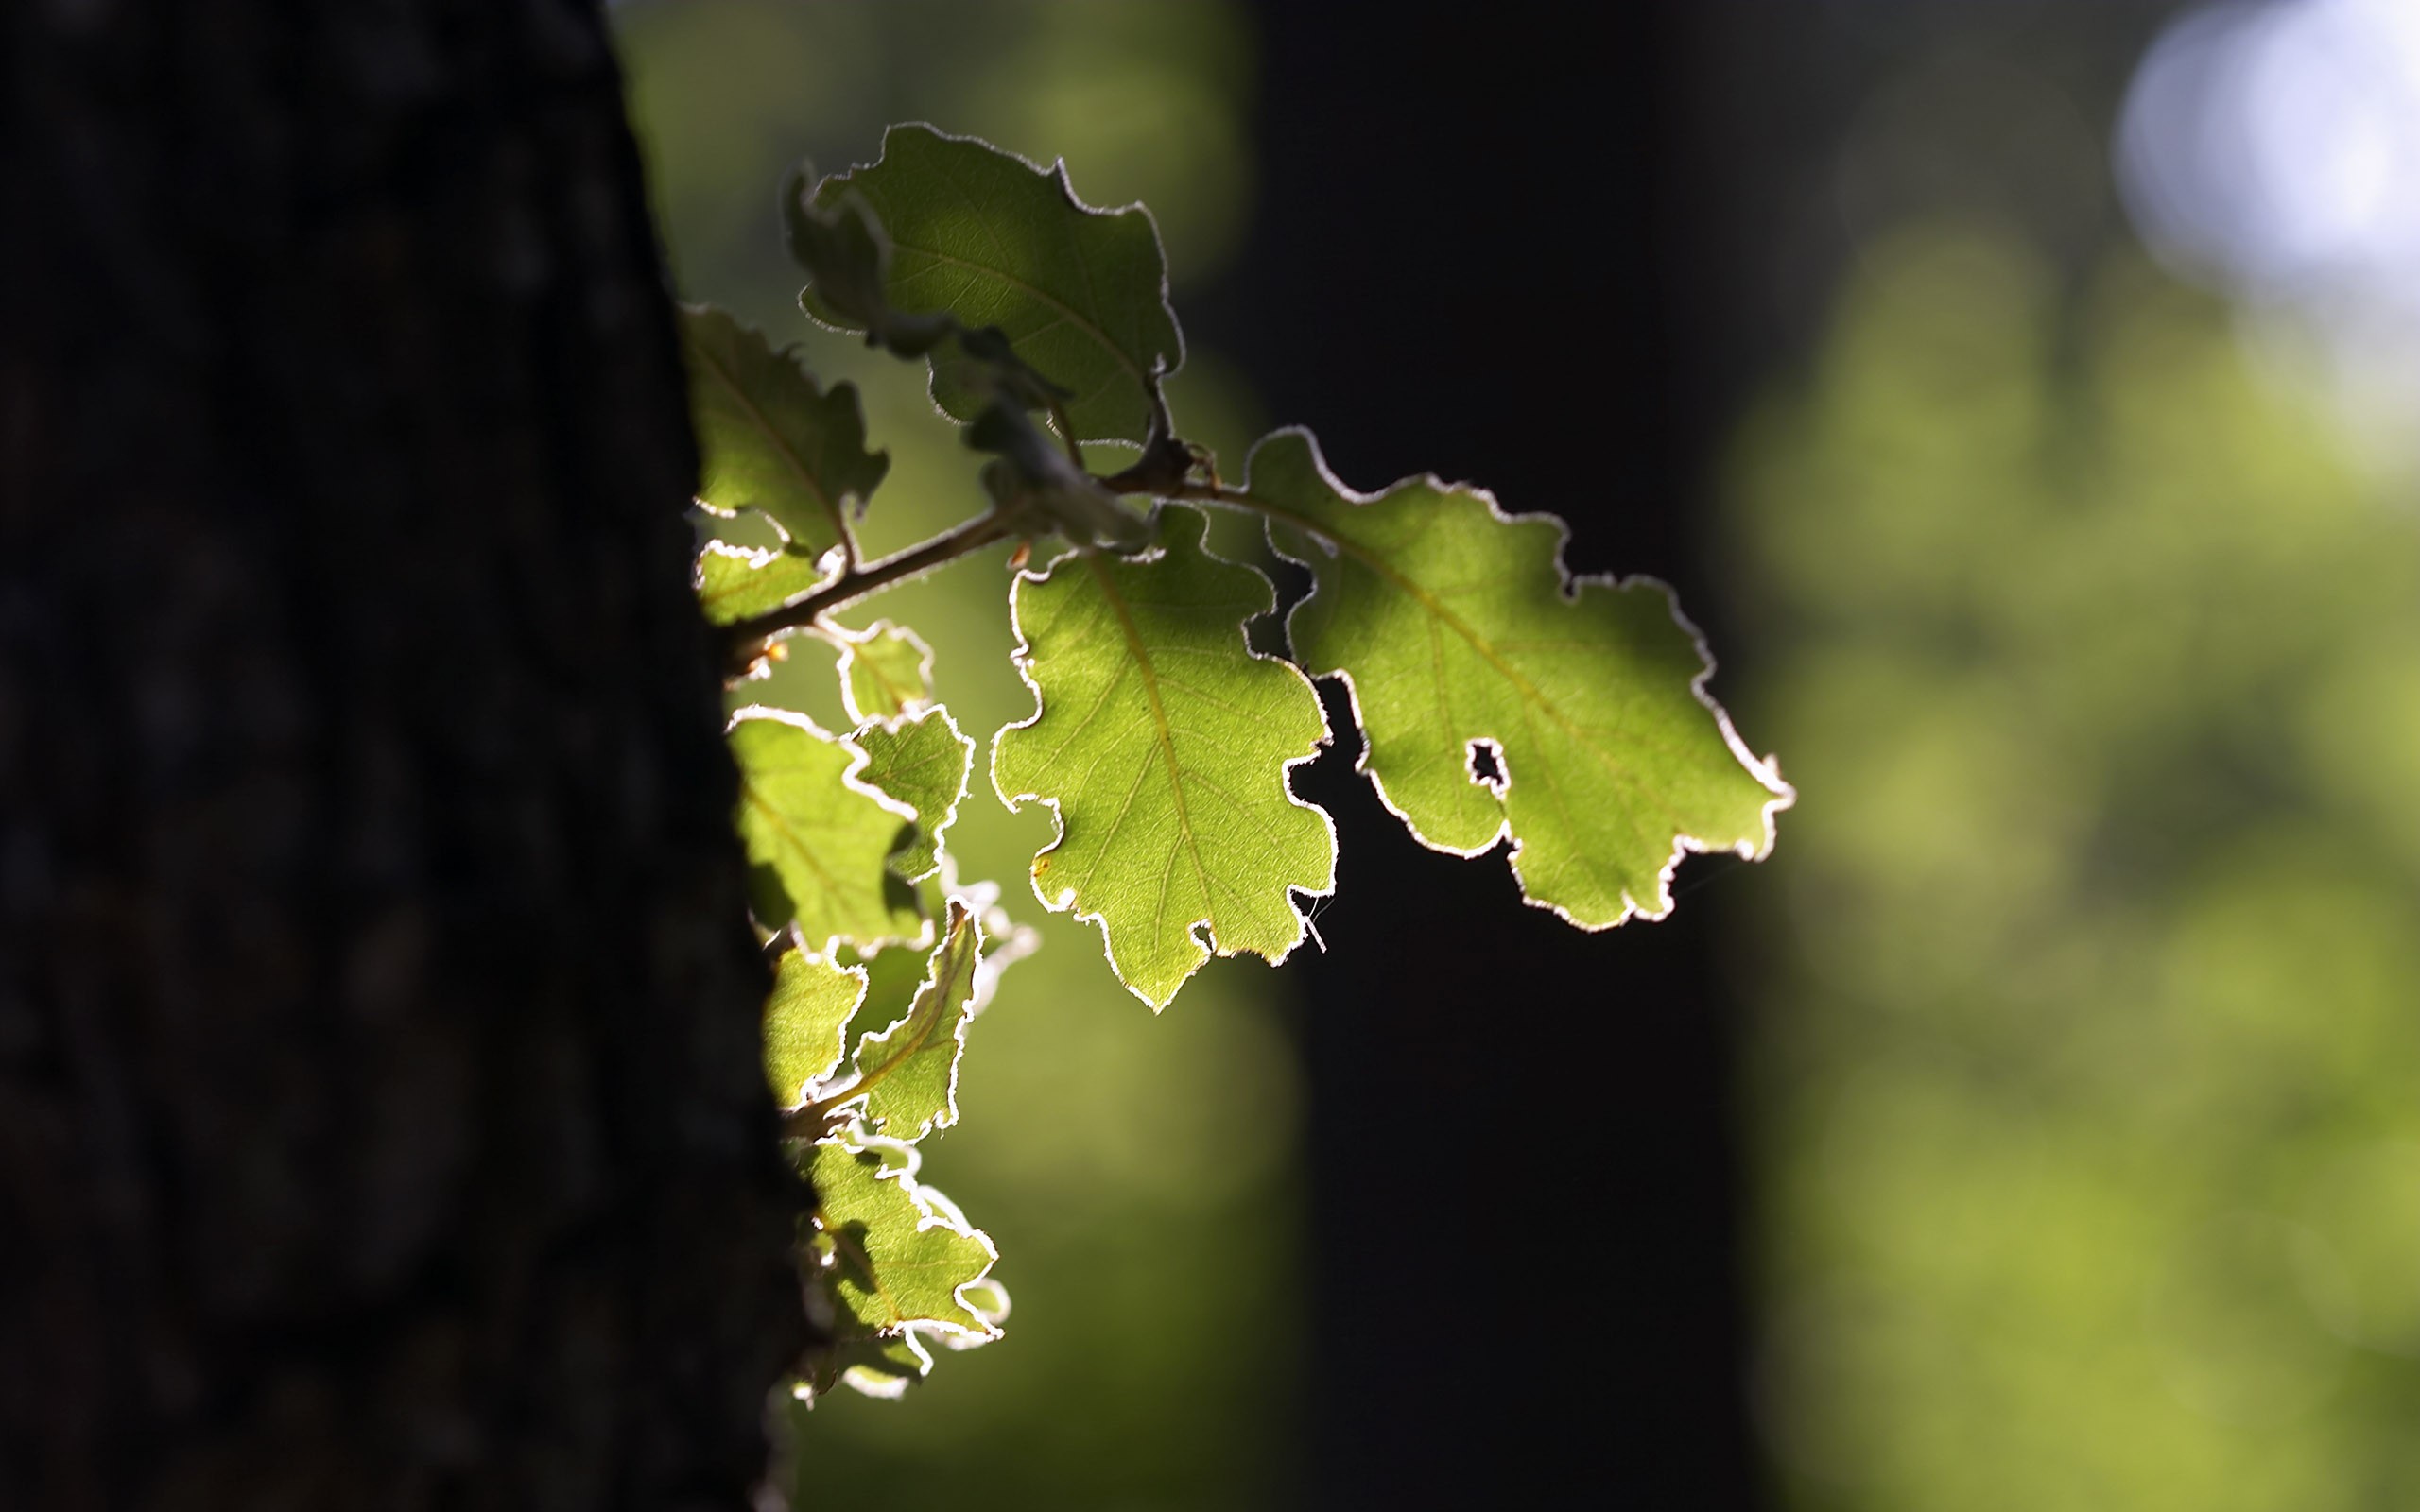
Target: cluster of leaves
{"points": [[1499, 697]]}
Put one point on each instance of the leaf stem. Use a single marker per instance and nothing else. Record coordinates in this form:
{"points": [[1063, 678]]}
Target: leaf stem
{"points": [[817, 1118], [744, 639], [1066, 433]]}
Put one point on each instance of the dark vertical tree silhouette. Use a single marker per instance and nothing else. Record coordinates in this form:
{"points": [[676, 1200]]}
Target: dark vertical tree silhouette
{"points": [[1561, 190], [380, 1114]]}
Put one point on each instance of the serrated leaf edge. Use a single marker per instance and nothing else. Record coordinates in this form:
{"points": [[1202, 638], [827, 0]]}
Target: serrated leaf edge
{"points": [[949, 815], [1057, 170], [960, 1018], [848, 641], [933, 1211], [804, 1092], [847, 544], [850, 779], [1766, 769], [1020, 658], [756, 558]]}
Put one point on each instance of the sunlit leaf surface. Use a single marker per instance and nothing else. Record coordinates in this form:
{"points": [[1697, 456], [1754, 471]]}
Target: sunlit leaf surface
{"points": [[1499, 697], [1163, 743], [805, 1019], [923, 763], [909, 1069], [898, 1259], [885, 672], [736, 583], [824, 836]]}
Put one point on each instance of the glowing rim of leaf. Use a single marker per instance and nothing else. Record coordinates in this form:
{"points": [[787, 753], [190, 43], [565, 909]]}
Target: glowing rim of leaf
{"points": [[933, 1211], [1021, 660], [791, 357], [949, 815], [849, 779], [848, 641], [756, 557], [1057, 170], [961, 1018], [1766, 769], [805, 1090]]}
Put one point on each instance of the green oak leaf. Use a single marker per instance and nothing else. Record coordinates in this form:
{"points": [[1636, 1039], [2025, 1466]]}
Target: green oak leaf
{"points": [[895, 1257], [840, 243], [806, 1020], [994, 241], [1164, 745], [894, 976], [922, 762], [908, 1071], [770, 438], [734, 583], [847, 257], [1458, 629], [885, 672], [819, 831]]}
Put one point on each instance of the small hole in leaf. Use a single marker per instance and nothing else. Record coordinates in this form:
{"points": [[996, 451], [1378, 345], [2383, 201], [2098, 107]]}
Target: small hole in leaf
{"points": [[1486, 763]]}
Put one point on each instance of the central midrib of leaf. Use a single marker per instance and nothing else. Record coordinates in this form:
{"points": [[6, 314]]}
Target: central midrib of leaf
{"points": [[1159, 721], [713, 598], [1530, 692], [789, 455], [874, 669], [918, 1034], [1074, 315]]}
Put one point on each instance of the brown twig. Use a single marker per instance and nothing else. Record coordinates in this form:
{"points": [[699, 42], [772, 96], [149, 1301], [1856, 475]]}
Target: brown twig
{"points": [[744, 639]]}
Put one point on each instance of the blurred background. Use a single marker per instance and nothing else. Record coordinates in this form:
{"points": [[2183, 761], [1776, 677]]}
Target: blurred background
{"points": [[2026, 398]]}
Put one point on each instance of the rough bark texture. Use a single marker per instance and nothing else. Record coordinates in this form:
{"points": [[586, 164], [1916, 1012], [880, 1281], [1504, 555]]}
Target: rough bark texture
{"points": [[380, 1118]]}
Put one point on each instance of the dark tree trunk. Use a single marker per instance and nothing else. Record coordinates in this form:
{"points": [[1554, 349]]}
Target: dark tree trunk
{"points": [[380, 1118], [1482, 249]]}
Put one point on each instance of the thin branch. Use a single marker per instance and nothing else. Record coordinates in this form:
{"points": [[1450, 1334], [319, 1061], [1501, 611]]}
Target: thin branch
{"points": [[745, 639], [819, 1119], [1160, 485], [1160, 474]]}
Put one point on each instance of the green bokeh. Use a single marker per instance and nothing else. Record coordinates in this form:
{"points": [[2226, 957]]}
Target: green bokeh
{"points": [[2089, 1085], [1138, 1173]]}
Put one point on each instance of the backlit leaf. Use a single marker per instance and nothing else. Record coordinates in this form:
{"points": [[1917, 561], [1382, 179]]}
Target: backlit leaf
{"points": [[1080, 294], [896, 973], [922, 762], [821, 832], [840, 243], [896, 1259], [910, 1069], [1468, 650], [885, 672], [770, 438], [1163, 743], [806, 1020], [734, 583]]}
